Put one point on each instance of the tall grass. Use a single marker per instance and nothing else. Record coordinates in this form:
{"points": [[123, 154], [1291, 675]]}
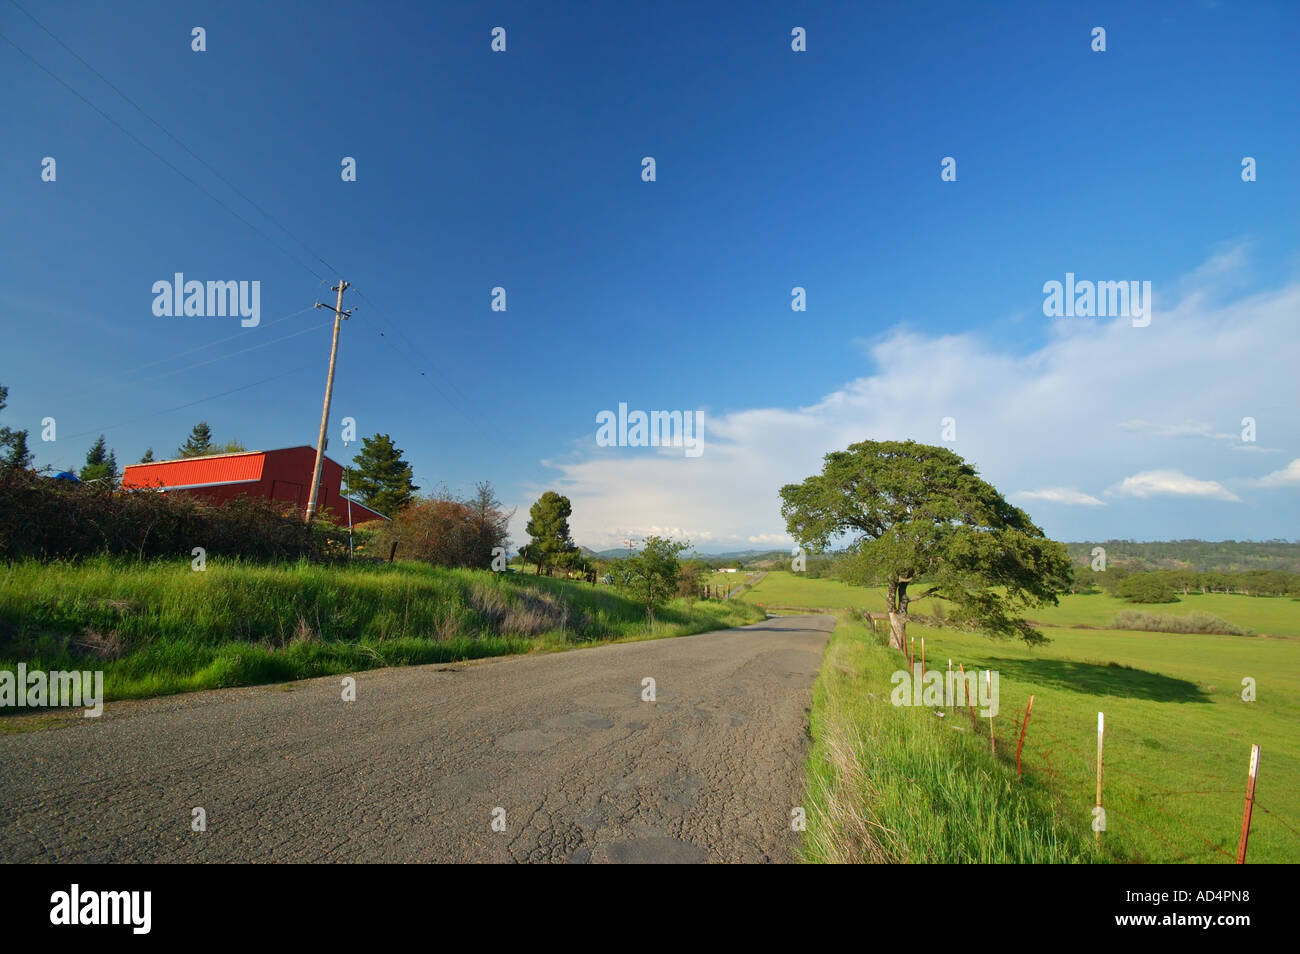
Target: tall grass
{"points": [[160, 627], [895, 784]]}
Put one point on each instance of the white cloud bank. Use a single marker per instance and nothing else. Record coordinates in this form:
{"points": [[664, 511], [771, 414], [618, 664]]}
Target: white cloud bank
{"points": [[1099, 404], [1060, 495], [1173, 483], [1289, 476]]}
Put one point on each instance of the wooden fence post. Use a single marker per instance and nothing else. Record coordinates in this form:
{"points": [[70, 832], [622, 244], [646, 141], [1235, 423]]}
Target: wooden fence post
{"points": [[1250, 804], [1023, 726], [966, 693]]}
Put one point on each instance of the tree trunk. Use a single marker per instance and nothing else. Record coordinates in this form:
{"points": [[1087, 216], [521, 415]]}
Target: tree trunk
{"points": [[898, 631], [896, 603]]}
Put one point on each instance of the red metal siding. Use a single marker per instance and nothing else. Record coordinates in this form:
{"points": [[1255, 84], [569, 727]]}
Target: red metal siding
{"points": [[283, 475], [195, 470]]}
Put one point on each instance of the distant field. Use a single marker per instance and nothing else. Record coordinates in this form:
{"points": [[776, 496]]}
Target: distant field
{"points": [[1178, 733], [1274, 615], [1266, 615], [734, 580]]}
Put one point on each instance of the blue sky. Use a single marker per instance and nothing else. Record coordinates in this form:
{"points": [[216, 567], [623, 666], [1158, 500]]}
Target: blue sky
{"points": [[818, 169]]}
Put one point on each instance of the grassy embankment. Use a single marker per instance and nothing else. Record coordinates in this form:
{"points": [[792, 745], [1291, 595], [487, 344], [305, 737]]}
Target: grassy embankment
{"points": [[162, 627], [901, 783]]}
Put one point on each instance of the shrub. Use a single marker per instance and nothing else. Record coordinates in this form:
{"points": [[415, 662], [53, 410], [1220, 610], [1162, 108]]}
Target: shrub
{"points": [[1194, 622], [59, 520]]}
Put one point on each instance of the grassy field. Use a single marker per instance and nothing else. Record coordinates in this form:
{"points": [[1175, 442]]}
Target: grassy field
{"points": [[161, 627], [892, 784], [1178, 733]]}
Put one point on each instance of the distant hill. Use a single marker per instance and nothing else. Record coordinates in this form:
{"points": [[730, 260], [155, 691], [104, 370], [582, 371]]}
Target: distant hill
{"points": [[1201, 556]]}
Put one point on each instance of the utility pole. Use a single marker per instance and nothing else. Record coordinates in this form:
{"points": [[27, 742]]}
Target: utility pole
{"points": [[339, 315]]}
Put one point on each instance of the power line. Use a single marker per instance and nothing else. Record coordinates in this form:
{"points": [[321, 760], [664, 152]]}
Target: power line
{"points": [[108, 379], [139, 109], [157, 155], [223, 357], [203, 400], [472, 419]]}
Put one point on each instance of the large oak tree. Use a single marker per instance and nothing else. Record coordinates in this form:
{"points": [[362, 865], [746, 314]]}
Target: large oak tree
{"points": [[923, 523]]}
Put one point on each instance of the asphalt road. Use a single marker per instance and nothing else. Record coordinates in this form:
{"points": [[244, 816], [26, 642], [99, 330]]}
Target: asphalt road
{"points": [[579, 765]]}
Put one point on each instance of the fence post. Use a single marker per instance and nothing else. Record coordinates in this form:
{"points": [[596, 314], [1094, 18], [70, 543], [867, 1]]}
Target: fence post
{"points": [[1101, 731], [1250, 804], [966, 692], [1024, 725], [951, 689], [988, 681]]}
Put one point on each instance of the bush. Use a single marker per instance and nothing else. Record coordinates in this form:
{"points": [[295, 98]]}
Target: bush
{"points": [[1146, 588], [1194, 622], [447, 531], [49, 519]]}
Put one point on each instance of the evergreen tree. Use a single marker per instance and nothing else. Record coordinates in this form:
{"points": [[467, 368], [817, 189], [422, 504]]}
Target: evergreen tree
{"points": [[16, 441], [198, 443], [379, 476], [548, 528], [18, 458], [148, 457], [101, 463]]}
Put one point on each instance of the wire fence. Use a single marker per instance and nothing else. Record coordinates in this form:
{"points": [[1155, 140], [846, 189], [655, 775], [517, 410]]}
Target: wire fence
{"points": [[1130, 798]]}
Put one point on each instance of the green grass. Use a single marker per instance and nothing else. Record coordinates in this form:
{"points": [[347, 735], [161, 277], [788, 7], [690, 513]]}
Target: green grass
{"points": [[1178, 733], [161, 627], [893, 784], [784, 588], [1274, 615]]}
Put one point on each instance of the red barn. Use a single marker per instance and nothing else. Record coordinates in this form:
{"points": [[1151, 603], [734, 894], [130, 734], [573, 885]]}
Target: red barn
{"points": [[283, 474]]}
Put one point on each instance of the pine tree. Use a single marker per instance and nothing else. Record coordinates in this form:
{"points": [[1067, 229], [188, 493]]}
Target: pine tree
{"points": [[19, 458], [148, 457], [379, 476], [548, 527], [101, 463], [16, 441], [198, 443]]}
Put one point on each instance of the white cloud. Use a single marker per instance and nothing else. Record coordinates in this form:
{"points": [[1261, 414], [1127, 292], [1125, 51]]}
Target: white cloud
{"points": [[1289, 476], [1173, 483], [1061, 495], [1044, 416]]}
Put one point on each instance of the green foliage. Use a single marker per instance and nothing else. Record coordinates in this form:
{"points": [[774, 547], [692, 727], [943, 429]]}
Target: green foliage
{"points": [[379, 476], [550, 543], [13, 443], [1200, 556], [58, 519], [1146, 588], [161, 627], [198, 443], [650, 574], [148, 457], [446, 531], [101, 464], [921, 515], [888, 784]]}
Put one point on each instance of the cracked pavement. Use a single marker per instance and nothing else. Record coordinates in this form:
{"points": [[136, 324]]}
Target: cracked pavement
{"points": [[413, 770]]}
